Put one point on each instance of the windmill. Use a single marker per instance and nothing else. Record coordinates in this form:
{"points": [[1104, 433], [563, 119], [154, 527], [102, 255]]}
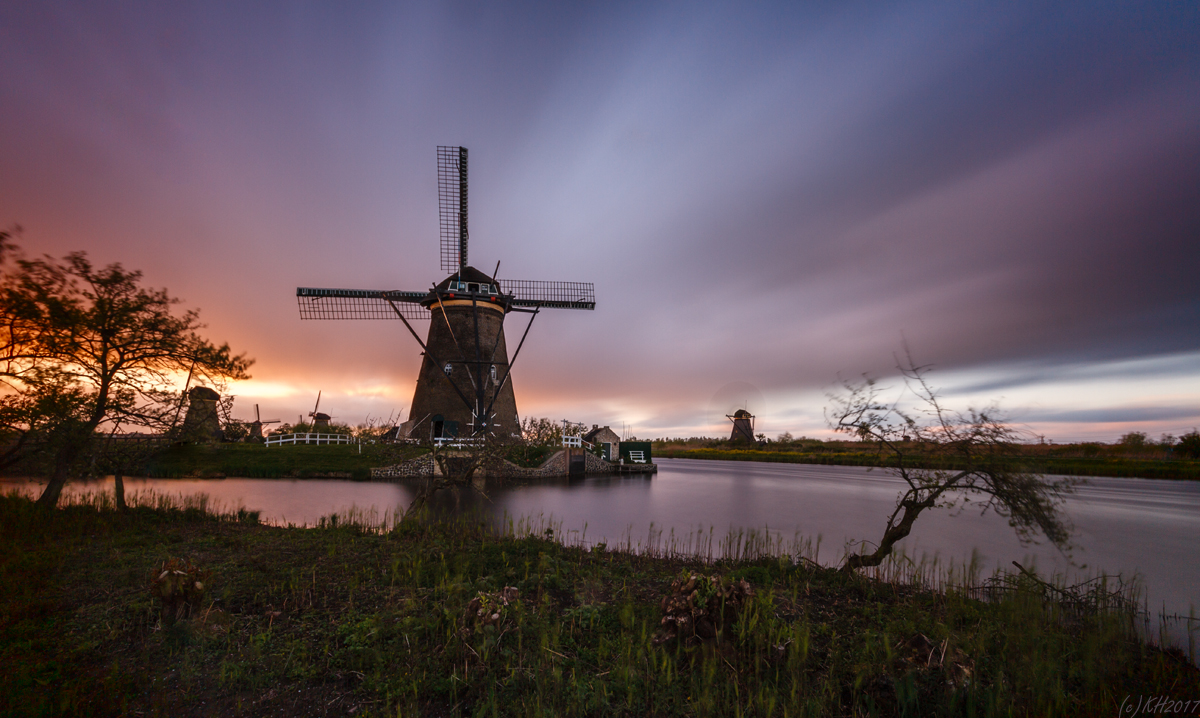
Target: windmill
{"points": [[465, 384], [743, 426], [319, 420], [257, 425]]}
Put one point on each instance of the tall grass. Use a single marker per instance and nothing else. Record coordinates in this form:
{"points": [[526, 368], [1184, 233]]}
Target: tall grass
{"points": [[371, 609]]}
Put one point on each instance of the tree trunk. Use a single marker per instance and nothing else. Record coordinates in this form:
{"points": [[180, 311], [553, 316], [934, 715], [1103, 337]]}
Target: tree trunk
{"points": [[73, 446], [49, 497], [119, 491], [891, 537]]}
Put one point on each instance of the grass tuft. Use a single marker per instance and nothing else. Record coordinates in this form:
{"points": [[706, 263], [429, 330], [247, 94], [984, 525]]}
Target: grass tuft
{"points": [[385, 614]]}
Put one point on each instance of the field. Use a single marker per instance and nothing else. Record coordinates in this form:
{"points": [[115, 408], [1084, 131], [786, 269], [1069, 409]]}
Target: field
{"points": [[1064, 460], [349, 461], [425, 617]]}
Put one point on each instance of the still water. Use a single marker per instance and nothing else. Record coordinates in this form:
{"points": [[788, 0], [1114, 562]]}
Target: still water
{"points": [[1146, 527]]}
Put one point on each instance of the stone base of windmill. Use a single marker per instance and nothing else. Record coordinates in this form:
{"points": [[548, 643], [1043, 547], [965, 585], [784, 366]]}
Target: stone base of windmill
{"points": [[556, 466], [201, 424]]}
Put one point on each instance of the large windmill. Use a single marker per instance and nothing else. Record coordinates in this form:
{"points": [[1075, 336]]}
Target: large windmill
{"points": [[465, 385]]}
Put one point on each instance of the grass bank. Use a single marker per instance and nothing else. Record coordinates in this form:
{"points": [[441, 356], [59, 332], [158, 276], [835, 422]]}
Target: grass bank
{"points": [[1066, 466], [451, 618], [350, 461]]}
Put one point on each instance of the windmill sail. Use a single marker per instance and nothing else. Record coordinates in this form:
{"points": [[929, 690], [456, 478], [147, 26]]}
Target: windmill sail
{"points": [[452, 206], [465, 381], [359, 304], [551, 295]]}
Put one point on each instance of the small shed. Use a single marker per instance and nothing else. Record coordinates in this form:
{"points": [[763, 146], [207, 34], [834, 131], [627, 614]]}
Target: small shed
{"points": [[606, 438], [636, 452]]}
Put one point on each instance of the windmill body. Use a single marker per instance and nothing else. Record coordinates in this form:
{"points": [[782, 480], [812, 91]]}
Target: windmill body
{"points": [[743, 426], [320, 420], [256, 426], [466, 333], [464, 388]]}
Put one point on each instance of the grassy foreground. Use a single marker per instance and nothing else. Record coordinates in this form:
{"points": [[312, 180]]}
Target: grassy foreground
{"points": [[416, 620]]}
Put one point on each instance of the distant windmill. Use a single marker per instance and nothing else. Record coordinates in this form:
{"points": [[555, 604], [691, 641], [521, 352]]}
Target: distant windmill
{"points": [[465, 378], [320, 421], [257, 425], [743, 425]]}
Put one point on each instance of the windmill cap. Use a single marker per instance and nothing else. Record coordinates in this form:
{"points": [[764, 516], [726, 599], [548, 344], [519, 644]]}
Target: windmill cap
{"points": [[466, 274], [742, 414]]}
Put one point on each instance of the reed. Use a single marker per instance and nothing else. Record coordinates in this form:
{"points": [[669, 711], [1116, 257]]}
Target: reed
{"points": [[389, 614]]}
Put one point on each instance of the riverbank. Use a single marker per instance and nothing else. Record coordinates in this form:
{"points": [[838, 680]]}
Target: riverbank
{"points": [[1117, 467], [340, 461], [435, 618]]}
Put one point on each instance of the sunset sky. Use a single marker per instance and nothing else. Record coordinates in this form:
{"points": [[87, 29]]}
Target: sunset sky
{"points": [[766, 196]]}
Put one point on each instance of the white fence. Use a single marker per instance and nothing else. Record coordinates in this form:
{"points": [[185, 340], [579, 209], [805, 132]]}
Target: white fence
{"points": [[575, 442], [460, 442], [309, 439]]}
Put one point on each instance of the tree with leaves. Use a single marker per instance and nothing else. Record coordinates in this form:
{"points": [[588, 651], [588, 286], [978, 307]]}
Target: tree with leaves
{"points": [[87, 351], [946, 459]]}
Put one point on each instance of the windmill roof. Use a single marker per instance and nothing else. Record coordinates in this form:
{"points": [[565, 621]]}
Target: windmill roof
{"points": [[466, 274]]}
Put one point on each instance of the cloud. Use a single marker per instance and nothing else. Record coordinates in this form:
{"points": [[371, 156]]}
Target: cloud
{"points": [[772, 194]]}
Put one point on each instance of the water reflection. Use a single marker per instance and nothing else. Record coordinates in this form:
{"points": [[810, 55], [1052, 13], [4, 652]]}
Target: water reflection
{"points": [[1122, 526]]}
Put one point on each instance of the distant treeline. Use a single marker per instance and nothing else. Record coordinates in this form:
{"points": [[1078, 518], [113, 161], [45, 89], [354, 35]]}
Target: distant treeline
{"points": [[1149, 462]]}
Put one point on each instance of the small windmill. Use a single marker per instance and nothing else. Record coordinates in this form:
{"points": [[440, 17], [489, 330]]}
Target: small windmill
{"points": [[465, 379], [319, 420], [743, 426], [256, 426]]}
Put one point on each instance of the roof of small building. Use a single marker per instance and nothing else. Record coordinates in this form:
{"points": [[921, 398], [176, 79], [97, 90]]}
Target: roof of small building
{"points": [[599, 432]]}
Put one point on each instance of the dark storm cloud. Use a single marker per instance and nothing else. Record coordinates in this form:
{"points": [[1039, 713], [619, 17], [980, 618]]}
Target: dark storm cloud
{"points": [[1044, 372], [1118, 415], [770, 194]]}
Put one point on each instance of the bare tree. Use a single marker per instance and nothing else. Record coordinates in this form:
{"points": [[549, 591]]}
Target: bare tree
{"points": [[947, 459]]}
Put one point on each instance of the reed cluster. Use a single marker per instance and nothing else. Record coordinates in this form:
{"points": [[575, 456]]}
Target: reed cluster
{"points": [[389, 614]]}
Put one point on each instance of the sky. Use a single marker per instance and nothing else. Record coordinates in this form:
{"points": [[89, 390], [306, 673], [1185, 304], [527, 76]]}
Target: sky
{"points": [[769, 198]]}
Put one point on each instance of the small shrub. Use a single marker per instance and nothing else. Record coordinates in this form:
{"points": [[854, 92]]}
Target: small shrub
{"points": [[1134, 440], [1189, 445], [699, 608], [179, 587]]}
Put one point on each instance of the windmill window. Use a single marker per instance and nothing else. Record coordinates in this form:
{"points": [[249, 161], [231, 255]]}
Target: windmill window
{"points": [[493, 372], [473, 287], [447, 368]]}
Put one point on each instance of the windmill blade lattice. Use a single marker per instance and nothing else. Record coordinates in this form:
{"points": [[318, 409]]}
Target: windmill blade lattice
{"points": [[465, 380], [552, 295], [452, 206], [359, 304]]}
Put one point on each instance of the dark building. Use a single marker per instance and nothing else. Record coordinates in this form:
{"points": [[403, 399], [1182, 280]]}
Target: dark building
{"points": [[465, 390], [201, 423], [606, 438], [743, 426]]}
